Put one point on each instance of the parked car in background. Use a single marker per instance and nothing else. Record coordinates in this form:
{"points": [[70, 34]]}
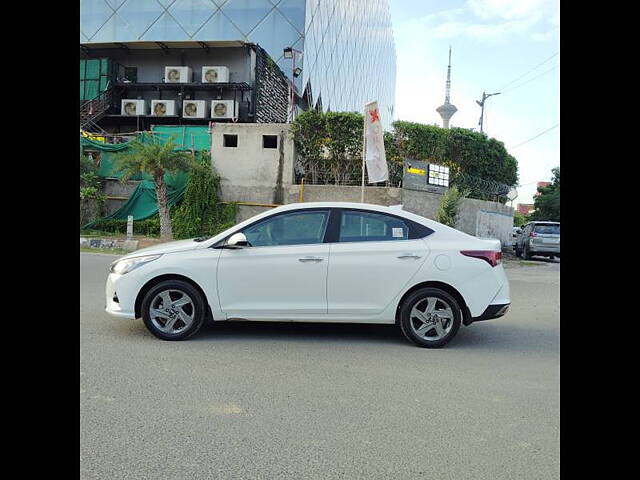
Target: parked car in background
{"points": [[317, 262], [539, 238]]}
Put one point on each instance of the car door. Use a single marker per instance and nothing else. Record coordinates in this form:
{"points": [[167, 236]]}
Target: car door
{"points": [[282, 272], [373, 258], [523, 236]]}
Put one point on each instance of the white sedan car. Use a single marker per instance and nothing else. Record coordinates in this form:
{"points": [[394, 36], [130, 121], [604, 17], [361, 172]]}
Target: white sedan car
{"points": [[317, 262]]}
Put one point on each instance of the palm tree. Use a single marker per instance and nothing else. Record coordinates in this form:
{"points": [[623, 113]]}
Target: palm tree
{"points": [[149, 155]]}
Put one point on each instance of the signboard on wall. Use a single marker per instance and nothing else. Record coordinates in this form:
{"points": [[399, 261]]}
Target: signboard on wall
{"points": [[419, 175]]}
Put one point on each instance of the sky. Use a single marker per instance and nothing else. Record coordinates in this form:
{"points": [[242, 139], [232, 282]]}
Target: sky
{"points": [[508, 46]]}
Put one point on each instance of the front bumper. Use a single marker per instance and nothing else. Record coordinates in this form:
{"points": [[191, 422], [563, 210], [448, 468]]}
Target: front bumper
{"points": [[118, 303]]}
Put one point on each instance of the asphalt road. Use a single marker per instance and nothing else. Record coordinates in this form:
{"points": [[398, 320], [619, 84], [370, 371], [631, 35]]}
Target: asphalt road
{"points": [[297, 401]]}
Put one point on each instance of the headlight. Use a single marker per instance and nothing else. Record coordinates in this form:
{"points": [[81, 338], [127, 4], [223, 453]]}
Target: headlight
{"points": [[125, 266]]}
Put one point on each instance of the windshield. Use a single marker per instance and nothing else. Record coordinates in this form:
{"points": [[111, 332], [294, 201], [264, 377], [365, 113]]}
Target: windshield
{"points": [[549, 229]]}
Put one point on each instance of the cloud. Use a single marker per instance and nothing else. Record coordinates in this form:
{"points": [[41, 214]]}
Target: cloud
{"points": [[495, 20]]}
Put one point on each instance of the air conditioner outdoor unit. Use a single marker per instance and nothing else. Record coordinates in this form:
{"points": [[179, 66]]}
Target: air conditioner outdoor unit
{"points": [[224, 109], [133, 107], [194, 109], [162, 108], [215, 74], [177, 74]]}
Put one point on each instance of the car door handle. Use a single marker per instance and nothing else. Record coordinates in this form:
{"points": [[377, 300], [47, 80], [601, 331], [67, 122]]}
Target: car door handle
{"points": [[409, 255], [310, 259]]}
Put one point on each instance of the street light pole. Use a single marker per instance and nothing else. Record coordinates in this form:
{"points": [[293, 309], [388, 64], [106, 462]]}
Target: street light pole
{"points": [[481, 103], [291, 52]]}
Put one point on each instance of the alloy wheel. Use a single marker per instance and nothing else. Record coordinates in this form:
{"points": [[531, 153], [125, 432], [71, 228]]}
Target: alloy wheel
{"points": [[172, 311], [431, 318]]}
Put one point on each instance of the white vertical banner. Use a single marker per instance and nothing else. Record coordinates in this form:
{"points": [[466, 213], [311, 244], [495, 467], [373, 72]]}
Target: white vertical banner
{"points": [[374, 154]]}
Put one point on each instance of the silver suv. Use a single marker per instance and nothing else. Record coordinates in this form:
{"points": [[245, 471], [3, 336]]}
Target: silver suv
{"points": [[539, 238]]}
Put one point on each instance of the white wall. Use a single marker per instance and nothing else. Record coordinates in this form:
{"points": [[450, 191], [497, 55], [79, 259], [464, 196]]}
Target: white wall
{"points": [[249, 172]]}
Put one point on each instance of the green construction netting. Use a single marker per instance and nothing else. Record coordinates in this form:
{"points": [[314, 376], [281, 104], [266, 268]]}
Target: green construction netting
{"points": [[188, 137], [142, 201]]}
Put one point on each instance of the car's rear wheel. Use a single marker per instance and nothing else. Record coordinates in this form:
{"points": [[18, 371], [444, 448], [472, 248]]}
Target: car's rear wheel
{"points": [[173, 310], [527, 252], [430, 317]]}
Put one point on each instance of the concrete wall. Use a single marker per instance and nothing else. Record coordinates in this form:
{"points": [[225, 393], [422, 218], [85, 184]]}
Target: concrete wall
{"points": [[249, 172], [113, 188], [338, 193], [476, 217]]}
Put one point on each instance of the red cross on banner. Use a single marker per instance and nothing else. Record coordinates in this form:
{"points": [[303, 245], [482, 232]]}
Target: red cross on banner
{"points": [[374, 155]]}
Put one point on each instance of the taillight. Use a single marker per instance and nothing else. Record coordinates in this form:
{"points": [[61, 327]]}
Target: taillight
{"points": [[533, 234], [492, 257]]}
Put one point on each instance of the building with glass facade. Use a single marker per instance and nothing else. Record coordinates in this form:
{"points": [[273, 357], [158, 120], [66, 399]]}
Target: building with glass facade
{"points": [[348, 52]]}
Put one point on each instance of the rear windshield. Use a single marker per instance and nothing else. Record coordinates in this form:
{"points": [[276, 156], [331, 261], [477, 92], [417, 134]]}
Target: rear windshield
{"points": [[547, 229]]}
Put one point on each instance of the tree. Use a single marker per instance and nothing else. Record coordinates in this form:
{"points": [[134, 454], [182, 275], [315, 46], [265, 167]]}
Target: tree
{"points": [[519, 219], [547, 204], [149, 155], [450, 206]]}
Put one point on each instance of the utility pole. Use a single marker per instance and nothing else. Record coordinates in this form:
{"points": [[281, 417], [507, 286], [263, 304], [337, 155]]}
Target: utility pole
{"points": [[481, 103]]}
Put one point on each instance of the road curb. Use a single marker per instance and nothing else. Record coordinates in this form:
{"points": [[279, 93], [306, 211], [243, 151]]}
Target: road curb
{"points": [[109, 243]]}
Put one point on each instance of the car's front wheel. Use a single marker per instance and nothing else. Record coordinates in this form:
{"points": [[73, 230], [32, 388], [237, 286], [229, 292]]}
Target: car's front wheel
{"points": [[430, 317], [173, 310]]}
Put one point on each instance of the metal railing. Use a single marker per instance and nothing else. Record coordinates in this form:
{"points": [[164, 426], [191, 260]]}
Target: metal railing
{"points": [[92, 111], [321, 172]]}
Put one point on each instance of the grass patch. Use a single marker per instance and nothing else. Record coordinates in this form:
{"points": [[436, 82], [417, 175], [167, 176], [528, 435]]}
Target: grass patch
{"points": [[112, 251]]}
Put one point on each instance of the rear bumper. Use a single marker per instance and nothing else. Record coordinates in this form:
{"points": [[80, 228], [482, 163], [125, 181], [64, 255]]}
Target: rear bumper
{"points": [[492, 311], [544, 249]]}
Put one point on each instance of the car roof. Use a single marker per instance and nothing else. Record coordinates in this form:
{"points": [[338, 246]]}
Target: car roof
{"points": [[544, 221], [391, 210]]}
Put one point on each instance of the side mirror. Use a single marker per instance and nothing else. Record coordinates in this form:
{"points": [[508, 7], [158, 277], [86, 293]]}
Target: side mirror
{"points": [[237, 240], [519, 231]]}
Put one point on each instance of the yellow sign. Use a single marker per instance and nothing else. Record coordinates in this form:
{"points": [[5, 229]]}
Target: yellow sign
{"points": [[92, 136], [417, 171]]}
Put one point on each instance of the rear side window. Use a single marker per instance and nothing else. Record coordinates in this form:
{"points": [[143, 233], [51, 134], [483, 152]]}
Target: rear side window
{"points": [[364, 226], [547, 229]]}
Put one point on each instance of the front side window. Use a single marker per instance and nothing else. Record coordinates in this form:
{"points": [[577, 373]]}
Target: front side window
{"points": [[371, 227], [295, 228]]}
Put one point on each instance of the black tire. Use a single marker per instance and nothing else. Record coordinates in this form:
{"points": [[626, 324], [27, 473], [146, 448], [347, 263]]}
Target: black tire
{"points": [[518, 252], [198, 309], [527, 253], [415, 298]]}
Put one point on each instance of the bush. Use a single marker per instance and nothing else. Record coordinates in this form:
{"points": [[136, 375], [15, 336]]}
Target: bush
{"points": [[91, 198], [148, 228], [450, 206], [201, 212]]}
